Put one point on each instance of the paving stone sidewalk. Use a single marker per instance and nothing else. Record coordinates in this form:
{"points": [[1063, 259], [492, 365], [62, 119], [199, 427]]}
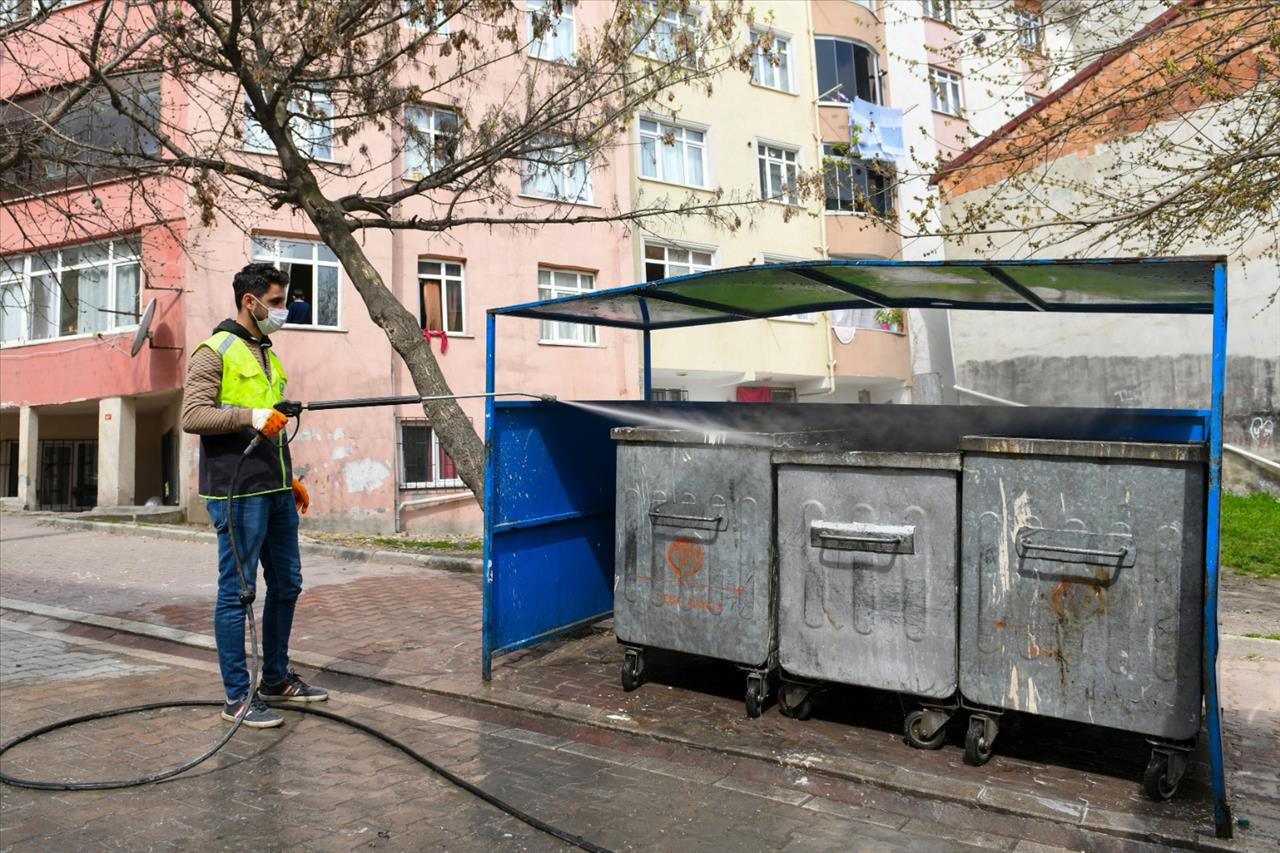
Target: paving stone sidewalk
{"points": [[420, 628], [315, 785]]}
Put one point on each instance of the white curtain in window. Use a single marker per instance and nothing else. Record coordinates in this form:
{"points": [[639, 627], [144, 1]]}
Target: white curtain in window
{"points": [[845, 322]]}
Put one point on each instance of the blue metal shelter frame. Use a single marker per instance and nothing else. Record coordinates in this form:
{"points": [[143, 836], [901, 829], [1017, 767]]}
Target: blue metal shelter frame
{"points": [[549, 469]]}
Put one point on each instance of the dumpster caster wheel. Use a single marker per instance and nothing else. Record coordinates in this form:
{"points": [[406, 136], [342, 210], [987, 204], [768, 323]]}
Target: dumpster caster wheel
{"points": [[755, 696], [915, 726], [1160, 782], [632, 670], [795, 701], [977, 745]]}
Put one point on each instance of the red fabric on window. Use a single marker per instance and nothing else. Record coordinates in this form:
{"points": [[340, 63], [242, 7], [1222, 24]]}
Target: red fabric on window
{"points": [[428, 334], [448, 471], [754, 395]]}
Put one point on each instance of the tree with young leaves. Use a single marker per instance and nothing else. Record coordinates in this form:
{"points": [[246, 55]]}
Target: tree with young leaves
{"points": [[1183, 103], [82, 103]]}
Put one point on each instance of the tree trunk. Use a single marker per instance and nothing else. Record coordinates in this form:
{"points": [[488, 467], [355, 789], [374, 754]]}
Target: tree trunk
{"points": [[456, 433]]}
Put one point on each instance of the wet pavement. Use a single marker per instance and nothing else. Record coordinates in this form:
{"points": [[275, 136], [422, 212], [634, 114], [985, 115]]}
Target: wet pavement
{"points": [[1050, 782]]}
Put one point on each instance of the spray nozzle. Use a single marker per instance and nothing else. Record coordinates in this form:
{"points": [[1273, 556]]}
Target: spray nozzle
{"points": [[547, 398]]}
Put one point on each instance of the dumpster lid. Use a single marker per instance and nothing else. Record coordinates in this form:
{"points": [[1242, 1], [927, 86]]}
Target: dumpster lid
{"points": [[1178, 285], [1135, 450]]}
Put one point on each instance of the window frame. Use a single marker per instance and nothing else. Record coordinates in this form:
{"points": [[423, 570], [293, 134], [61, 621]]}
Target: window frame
{"points": [[51, 264], [948, 15], [939, 80], [528, 182], [445, 279], [830, 152], [316, 262], [668, 246], [536, 45], [764, 159], [434, 451], [688, 21], [433, 133], [668, 395], [438, 27], [678, 129], [758, 59], [877, 90], [305, 146], [1029, 21], [584, 334]]}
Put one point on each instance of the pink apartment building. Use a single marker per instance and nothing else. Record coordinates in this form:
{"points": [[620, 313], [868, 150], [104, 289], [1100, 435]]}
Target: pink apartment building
{"points": [[83, 424]]}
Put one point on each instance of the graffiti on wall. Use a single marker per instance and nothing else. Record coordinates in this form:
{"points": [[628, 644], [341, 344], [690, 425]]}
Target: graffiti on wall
{"points": [[1262, 431]]}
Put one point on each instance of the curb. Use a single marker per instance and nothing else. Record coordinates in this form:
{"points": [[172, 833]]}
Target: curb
{"points": [[1119, 825], [441, 562]]}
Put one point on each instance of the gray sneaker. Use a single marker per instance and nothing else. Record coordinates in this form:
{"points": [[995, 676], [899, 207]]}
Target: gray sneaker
{"points": [[292, 689], [259, 715]]}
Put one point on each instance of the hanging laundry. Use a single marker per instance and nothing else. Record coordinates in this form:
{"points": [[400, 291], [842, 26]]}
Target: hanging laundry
{"points": [[428, 334], [875, 131]]}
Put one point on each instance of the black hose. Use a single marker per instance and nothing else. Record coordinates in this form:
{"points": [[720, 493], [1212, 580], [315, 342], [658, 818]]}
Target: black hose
{"points": [[247, 600]]}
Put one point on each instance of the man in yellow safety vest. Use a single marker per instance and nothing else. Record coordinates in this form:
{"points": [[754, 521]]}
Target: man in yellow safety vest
{"points": [[234, 380]]}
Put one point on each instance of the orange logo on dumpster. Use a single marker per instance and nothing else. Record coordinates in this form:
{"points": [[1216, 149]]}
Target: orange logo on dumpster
{"points": [[684, 556]]}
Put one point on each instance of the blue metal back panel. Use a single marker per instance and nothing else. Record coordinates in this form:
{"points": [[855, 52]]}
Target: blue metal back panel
{"points": [[550, 557]]}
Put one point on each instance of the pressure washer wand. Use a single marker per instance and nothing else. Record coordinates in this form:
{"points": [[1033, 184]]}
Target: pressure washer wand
{"points": [[293, 408], [361, 402]]}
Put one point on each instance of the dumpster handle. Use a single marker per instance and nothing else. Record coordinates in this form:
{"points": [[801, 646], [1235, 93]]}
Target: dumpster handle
{"points": [[1118, 554], [877, 539], [655, 516]]}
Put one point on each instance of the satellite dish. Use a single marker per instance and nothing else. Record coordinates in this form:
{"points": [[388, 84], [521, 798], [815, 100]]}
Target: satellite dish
{"points": [[144, 332]]}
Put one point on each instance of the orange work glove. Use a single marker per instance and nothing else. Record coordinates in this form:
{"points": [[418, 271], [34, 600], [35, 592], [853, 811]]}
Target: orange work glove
{"points": [[269, 422], [301, 499]]}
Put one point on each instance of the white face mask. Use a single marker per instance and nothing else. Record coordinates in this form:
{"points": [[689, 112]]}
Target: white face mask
{"points": [[273, 322]]}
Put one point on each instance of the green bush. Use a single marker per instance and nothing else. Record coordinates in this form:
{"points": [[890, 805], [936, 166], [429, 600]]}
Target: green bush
{"points": [[1251, 534]]}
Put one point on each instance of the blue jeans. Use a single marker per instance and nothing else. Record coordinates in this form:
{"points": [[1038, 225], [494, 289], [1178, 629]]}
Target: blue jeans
{"points": [[266, 528]]}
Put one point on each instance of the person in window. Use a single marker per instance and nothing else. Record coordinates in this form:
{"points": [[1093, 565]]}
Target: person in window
{"points": [[299, 309]]}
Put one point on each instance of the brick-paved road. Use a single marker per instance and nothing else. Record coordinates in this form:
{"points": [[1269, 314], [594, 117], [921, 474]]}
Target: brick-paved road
{"points": [[418, 627], [314, 785]]}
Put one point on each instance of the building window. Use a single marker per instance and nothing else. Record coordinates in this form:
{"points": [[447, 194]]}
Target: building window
{"points": [[1030, 29], [1029, 100], [550, 30], [430, 140], [424, 464], [311, 122], [12, 11], [442, 306], [68, 474], [869, 5], [771, 61], [669, 37], [425, 16], [91, 142], [673, 152], [554, 284], [559, 171], [313, 277], [940, 10], [945, 87], [662, 260], [668, 395], [779, 171], [846, 70], [77, 290], [856, 186]]}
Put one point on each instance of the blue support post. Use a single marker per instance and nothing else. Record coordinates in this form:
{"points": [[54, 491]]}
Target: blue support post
{"points": [[1213, 710], [647, 376], [490, 503]]}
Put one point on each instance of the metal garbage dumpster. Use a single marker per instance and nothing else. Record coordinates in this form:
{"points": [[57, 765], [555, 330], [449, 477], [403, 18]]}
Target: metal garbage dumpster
{"points": [[694, 551], [867, 582], [1082, 589]]}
